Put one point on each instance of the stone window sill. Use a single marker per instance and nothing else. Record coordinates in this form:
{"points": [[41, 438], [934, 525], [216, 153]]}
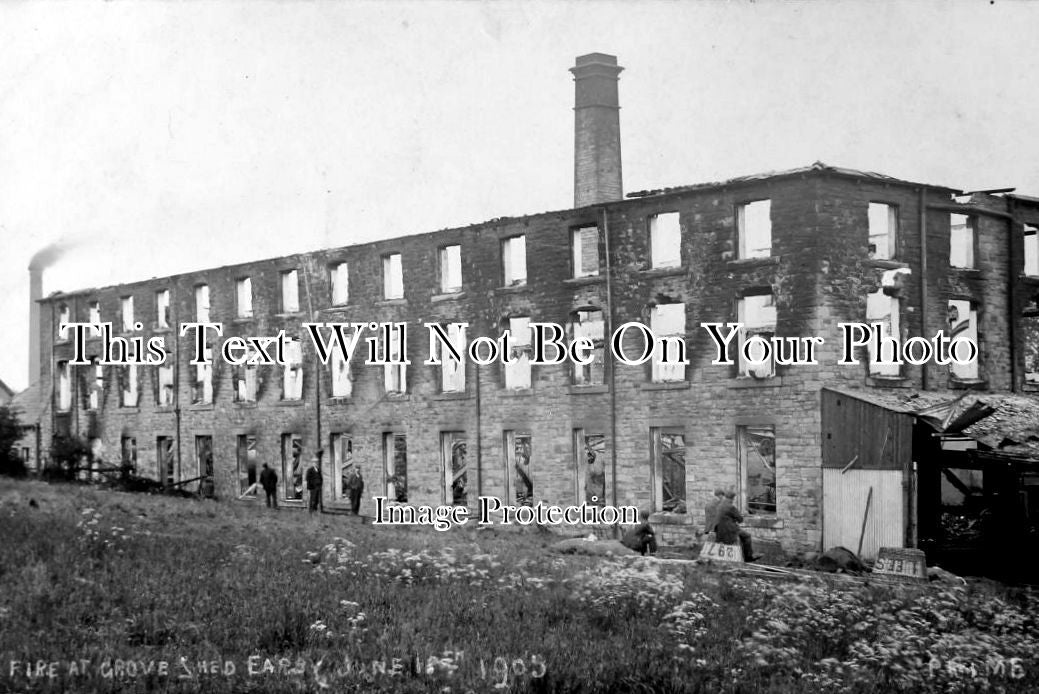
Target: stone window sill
{"points": [[398, 397], [583, 281], [451, 396], [290, 403], [887, 263], [448, 296], [749, 382], [512, 289], [289, 314], [338, 400], [967, 271], [590, 389], [770, 522], [972, 384], [517, 392], [664, 385], [741, 263], [668, 518], [392, 302], [245, 404], [242, 320], [201, 406], [654, 272]]}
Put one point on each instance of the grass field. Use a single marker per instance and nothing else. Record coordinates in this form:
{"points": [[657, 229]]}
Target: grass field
{"points": [[108, 591]]}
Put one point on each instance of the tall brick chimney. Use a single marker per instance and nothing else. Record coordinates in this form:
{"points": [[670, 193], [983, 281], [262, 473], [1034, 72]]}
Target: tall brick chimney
{"points": [[597, 130], [35, 294]]}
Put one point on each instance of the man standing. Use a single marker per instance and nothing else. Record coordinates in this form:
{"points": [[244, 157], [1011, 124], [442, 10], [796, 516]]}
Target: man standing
{"points": [[355, 487], [314, 484], [269, 482], [727, 527]]}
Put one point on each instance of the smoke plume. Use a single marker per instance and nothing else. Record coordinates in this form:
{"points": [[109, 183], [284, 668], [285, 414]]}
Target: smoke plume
{"points": [[50, 254]]}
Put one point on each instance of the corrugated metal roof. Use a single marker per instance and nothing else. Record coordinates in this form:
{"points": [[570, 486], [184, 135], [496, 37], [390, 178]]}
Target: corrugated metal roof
{"points": [[1012, 426]]}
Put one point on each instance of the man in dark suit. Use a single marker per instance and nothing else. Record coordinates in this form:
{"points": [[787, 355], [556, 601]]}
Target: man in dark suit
{"points": [[269, 482], [727, 527]]}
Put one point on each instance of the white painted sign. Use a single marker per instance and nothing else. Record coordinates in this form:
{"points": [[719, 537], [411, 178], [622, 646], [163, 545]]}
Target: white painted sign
{"points": [[719, 552]]}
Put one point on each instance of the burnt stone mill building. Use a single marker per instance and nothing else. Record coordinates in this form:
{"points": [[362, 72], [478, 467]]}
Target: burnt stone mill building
{"points": [[787, 254]]}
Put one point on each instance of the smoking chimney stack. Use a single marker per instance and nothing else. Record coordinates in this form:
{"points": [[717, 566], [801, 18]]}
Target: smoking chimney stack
{"points": [[597, 130]]}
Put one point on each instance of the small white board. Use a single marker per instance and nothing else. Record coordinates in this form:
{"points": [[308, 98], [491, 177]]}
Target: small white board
{"points": [[719, 552]]}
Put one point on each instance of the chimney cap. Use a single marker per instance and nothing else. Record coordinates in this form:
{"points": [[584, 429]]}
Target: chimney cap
{"points": [[601, 58], [587, 64]]}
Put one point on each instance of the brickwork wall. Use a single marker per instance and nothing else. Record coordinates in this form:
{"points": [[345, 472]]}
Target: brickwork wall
{"points": [[819, 273]]}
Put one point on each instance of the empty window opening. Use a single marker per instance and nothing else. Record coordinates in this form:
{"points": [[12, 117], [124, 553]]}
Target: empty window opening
{"points": [[202, 393], [126, 310], [961, 241], [590, 467], [248, 478], [395, 456], [64, 317], [518, 467], [129, 385], [246, 379], [452, 371], [757, 458], [514, 260], [204, 465], [584, 246], [963, 321], [292, 468], [392, 277], [290, 291], [128, 454], [754, 229], [757, 314], [97, 389], [669, 470], [883, 309], [292, 385], [202, 303], [450, 269], [517, 369], [589, 324], [165, 384], [665, 240], [343, 468], [454, 454], [1030, 340], [64, 386], [162, 308], [244, 297], [667, 323], [1031, 250], [339, 283], [342, 382], [94, 313], [883, 230], [395, 376], [166, 461]]}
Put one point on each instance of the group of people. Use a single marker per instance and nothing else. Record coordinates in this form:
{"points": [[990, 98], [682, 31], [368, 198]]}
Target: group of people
{"points": [[721, 518], [353, 485]]}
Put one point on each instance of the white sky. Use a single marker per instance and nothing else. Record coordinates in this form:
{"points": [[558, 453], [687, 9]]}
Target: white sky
{"points": [[161, 137]]}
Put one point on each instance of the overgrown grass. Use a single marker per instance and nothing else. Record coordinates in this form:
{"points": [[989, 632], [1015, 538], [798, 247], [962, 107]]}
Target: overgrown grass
{"points": [[153, 594]]}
